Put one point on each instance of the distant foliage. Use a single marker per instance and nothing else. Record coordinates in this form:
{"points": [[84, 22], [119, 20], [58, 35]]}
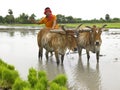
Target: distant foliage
{"points": [[24, 18]]}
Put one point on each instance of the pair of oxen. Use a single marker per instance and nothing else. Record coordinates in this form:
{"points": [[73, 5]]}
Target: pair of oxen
{"points": [[58, 41]]}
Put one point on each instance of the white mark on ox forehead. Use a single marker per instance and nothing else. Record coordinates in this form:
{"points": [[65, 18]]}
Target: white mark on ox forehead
{"points": [[97, 31]]}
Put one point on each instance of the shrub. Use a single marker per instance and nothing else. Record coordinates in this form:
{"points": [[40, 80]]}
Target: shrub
{"points": [[11, 67], [9, 78], [54, 86], [21, 85], [61, 80], [0, 73], [2, 63], [41, 74], [40, 86], [7, 75], [32, 77]]}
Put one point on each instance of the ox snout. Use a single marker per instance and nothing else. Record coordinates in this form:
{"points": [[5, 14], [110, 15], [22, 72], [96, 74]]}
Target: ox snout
{"points": [[97, 43], [75, 49]]}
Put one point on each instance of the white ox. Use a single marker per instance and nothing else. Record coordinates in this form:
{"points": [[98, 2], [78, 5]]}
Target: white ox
{"points": [[91, 41], [55, 42]]}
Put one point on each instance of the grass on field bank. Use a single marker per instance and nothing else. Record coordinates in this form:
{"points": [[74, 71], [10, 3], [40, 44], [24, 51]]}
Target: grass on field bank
{"points": [[109, 25], [73, 25]]}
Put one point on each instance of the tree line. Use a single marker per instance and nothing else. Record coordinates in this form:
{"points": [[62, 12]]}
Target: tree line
{"points": [[26, 19]]}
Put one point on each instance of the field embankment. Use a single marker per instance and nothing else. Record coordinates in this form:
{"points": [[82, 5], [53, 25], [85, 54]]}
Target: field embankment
{"points": [[70, 25]]}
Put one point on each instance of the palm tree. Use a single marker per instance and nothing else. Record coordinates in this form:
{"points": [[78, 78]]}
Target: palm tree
{"points": [[10, 18], [10, 11], [107, 17]]}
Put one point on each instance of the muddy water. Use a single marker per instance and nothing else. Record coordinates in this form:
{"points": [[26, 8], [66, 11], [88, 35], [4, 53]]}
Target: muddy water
{"points": [[19, 48]]}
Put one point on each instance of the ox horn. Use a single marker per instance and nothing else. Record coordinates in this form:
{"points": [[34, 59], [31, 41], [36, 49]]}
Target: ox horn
{"points": [[63, 27], [88, 27], [78, 26], [104, 26]]}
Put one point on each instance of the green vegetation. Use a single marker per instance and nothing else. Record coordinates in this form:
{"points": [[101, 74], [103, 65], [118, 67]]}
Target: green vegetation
{"points": [[109, 25], [73, 25], [37, 80], [61, 80], [21, 85], [69, 21], [30, 19], [8, 75]]}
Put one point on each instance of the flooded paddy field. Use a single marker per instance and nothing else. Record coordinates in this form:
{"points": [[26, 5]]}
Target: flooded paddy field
{"points": [[19, 48]]}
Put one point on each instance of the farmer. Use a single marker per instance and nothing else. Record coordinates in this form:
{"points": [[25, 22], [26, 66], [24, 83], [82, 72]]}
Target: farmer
{"points": [[49, 20]]}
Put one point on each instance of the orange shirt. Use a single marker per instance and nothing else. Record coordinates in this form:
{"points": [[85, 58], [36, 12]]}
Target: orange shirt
{"points": [[49, 22]]}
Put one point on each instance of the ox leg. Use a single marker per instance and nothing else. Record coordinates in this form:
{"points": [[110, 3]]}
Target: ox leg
{"points": [[40, 53], [88, 55], [46, 54], [62, 58], [51, 53], [57, 57], [97, 56], [79, 52]]}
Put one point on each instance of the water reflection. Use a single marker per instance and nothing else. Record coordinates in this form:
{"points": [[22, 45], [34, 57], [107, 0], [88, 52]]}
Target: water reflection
{"points": [[51, 68], [11, 34], [112, 32], [22, 33], [80, 76], [19, 48], [83, 77]]}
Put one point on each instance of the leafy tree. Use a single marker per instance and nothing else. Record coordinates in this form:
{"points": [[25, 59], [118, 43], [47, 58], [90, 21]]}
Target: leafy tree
{"points": [[70, 19], [1, 19], [102, 20], [61, 18], [23, 18], [115, 19], [9, 18], [32, 18], [77, 20]]}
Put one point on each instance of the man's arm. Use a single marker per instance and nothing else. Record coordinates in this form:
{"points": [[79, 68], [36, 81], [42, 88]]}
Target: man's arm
{"points": [[54, 24]]}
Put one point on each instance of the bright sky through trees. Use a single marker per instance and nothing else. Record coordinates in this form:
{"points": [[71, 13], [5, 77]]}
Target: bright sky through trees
{"points": [[85, 9]]}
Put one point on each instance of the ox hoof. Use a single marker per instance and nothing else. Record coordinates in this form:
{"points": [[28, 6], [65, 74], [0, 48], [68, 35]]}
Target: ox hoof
{"points": [[58, 63], [39, 59], [61, 64]]}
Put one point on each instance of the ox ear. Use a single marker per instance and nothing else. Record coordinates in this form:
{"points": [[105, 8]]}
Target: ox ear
{"points": [[78, 26]]}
